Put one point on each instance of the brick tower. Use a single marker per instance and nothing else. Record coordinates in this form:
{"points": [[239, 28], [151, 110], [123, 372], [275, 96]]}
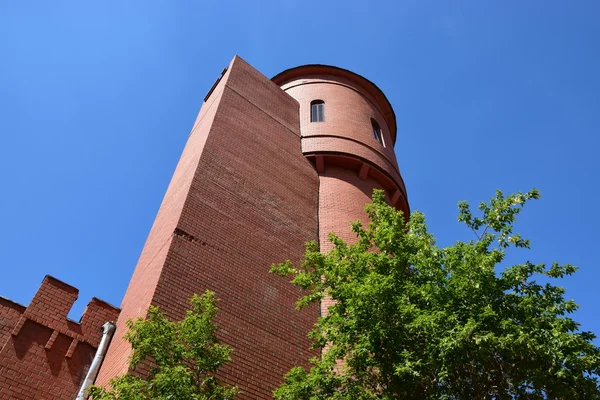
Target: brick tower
{"points": [[269, 165], [348, 130]]}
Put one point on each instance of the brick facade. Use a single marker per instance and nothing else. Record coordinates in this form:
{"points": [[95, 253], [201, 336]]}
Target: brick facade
{"points": [[43, 354], [242, 198]]}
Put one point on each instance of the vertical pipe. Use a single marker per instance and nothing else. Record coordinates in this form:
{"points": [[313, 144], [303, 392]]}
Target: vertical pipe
{"points": [[107, 332]]}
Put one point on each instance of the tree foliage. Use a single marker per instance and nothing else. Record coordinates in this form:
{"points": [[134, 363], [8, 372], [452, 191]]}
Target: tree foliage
{"points": [[412, 320], [184, 357]]}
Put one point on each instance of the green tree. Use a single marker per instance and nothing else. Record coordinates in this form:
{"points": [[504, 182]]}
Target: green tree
{"points": [[184, 357], [416, 321]]}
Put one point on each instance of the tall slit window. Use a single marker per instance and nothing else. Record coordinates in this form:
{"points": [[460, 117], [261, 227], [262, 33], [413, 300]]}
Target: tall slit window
{"points": [[317, 111], [377, 132]]}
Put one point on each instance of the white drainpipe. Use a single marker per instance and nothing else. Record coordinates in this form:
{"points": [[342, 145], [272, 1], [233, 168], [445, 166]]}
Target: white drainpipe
{"points": [[107, 332]]}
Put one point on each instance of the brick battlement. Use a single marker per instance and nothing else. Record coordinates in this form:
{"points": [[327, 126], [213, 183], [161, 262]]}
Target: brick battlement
{"points": [[44, 354]]}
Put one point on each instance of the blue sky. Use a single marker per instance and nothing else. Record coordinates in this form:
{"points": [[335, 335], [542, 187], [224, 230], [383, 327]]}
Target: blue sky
{"points": [[97, 100]]}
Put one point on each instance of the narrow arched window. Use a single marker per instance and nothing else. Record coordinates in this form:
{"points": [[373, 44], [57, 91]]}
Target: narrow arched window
{"points": [[317, 111], [377, 132]]}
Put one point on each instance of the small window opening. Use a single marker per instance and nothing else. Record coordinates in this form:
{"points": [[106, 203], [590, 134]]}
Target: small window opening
{"points": [[317, 111], [377, 132]]}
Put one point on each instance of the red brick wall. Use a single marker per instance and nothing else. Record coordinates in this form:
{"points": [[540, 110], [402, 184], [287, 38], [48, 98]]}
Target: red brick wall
{"points": [[350, 161], [242, 197], [44, 355], [342, 199], [140, 292]]}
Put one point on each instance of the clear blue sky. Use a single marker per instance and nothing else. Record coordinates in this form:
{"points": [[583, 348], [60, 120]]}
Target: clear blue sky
{"points": [[97, 100]]}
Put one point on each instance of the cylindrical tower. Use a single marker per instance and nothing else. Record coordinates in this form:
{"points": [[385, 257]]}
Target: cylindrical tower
{"points": [[348, 131]]}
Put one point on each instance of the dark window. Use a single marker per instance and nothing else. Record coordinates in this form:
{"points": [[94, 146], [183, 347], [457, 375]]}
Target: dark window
{"points": [[317, 111], [377, 132]]}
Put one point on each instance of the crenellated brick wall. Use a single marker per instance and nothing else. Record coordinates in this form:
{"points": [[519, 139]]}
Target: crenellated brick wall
{"points": [[43, 354]]}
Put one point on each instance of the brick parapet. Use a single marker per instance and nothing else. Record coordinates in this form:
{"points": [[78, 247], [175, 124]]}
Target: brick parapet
{"points": [[44, 354]]}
